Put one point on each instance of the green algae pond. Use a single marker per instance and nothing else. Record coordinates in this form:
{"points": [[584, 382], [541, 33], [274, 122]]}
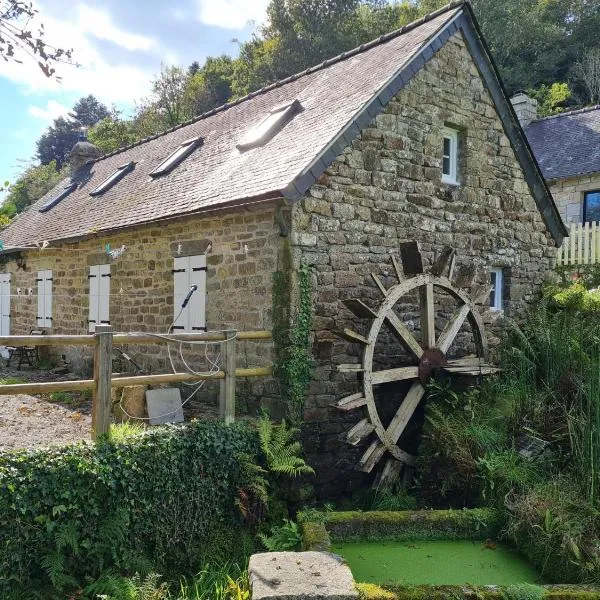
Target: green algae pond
{"points": [[446, 562]]}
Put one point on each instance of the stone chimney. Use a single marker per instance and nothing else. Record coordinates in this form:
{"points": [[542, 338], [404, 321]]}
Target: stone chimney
{"points": [[526, 108], [82, 153]]}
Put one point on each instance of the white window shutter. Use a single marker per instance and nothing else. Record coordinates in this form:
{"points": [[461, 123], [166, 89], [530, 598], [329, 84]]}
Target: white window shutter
{"points": [[48, 299], [104, 295], [181, 287], [41, 299], [4, 303], [197, 305], [94, 279]]}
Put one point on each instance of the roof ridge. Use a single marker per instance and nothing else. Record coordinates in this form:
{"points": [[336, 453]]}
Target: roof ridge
{"points": [[326, 63], [575, 111]]}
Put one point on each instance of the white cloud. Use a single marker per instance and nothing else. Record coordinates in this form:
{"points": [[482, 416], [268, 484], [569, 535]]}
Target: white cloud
{"points": [[99, 25], [108, 81], [52, 111], [231, 14]]}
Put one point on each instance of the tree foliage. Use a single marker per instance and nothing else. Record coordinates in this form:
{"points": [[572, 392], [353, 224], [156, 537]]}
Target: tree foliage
{"points": [[20, 40], [57, 141]]}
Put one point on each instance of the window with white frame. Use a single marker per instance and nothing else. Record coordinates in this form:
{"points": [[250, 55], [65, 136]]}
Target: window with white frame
{"points": [[189, 299], [450, 156], [44, 298], [99, 278], [496, 293]]}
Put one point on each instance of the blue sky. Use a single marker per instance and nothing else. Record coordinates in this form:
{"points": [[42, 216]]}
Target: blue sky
{"points": [[120, 45]]}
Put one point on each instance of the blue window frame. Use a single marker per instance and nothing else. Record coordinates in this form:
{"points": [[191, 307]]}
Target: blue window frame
{"points": [[591, 206]]}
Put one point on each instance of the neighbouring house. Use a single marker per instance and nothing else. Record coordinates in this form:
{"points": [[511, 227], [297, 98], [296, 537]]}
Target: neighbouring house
{"points": [[567, 148], [409, 137]]}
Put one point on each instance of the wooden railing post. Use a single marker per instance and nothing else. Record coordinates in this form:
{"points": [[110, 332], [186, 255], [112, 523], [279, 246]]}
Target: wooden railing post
{"points": [[227, 394], [101, 400]]}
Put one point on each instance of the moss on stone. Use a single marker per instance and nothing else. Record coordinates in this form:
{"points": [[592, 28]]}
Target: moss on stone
{"points": [[456, 592], [315, 537], [370, 591], [476, 524]]}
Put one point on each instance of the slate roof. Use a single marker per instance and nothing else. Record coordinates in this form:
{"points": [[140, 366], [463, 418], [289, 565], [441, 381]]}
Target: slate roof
{"points": [[338, 97], [567, 144]]}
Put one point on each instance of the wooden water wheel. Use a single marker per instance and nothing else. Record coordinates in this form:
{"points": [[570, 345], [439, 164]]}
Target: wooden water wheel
{"points": [[426, 352]]}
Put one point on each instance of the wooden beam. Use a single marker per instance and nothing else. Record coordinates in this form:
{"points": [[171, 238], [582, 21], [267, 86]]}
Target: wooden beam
{"points": [[351, 402], [452, 328], [46, 388], [399, 374], [229, 387], [443, 261], [352, 336], [405, 412], [359, 308], [404, 334], [350, 368], [126, 338], [427, 315], [372, 456], [380, 285], [412, 261], [359, 432], [397, 268], [101, 398]]}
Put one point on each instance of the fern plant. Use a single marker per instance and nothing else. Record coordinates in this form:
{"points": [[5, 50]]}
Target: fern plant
{"points": [[281, 449], [282, 537]]}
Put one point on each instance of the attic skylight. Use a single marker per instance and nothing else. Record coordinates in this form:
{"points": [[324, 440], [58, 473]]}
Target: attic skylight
{"points": [[116, 176], [266, 129], [176, 157], [51, 203]]}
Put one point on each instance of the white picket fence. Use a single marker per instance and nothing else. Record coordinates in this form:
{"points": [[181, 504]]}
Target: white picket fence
{"points": [[582, 247]]}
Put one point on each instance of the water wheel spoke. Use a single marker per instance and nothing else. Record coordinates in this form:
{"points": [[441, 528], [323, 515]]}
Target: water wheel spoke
{"points": [[452, 328], [427, 315], [359, 308], [443, 261], [404, 413], [371, 456], [398, 374], [404, 335], [470, 365]]}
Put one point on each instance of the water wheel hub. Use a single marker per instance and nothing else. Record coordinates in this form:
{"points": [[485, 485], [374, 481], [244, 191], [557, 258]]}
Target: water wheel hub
{"points": [[431, 360]]}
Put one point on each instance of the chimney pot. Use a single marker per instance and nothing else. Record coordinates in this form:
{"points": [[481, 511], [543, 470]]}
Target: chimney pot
{"points": [[82, 153], [525, 107]]}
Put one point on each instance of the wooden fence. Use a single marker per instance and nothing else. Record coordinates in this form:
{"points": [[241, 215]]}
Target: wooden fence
{"points": [[102, 342], [582, 247]]}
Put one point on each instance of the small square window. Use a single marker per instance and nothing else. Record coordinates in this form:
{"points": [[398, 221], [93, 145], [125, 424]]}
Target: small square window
{"points": [[450, 156], [497, 283], [591, 206]]}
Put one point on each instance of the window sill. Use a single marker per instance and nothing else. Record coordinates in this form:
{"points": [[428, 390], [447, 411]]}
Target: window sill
{"points": [[451, 182]]}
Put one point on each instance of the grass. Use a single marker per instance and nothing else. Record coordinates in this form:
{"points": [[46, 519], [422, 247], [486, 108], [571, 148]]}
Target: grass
{"points": [[11, 380], [119, 432]]}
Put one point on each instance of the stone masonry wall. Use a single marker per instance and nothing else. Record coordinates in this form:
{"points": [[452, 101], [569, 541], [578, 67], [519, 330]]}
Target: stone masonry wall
{"points": [[569, 193], [386, 188], [243, 255]]}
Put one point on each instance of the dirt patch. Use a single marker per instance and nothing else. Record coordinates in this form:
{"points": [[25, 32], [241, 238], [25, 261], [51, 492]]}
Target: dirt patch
{"points": [[40, 421]]}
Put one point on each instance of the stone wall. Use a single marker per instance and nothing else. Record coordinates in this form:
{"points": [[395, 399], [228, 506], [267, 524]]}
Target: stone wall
{"points": [[568, 195], [243, 253], [386, 188]]}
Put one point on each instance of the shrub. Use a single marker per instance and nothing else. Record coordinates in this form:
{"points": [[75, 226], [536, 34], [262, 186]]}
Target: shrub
{"points": [[282, 537], [162, 500]]}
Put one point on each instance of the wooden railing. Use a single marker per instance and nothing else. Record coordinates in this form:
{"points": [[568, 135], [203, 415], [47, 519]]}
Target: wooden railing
{"points": [[582, 247], [102, 342]]}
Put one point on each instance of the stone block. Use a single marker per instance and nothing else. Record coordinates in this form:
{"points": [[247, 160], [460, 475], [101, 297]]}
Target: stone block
{"points": [[300, 576]]}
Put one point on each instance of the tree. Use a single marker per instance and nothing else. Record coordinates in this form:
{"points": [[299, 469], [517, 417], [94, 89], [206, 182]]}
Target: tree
{"points": [[112, 133], [19, 40], [551, 99], [588, 70], [58, 140], [35, 181]]}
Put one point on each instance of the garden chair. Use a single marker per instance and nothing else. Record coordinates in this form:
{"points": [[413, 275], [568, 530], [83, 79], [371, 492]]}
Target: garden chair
{"points": [[31, 354]]}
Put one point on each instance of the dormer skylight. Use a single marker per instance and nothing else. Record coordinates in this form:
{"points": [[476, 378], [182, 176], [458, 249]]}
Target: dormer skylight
{"points": [[176, 157], [51, 203], [266, 129], [116, 176]]}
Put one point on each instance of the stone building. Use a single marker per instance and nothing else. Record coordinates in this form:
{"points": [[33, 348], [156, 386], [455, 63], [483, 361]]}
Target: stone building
{"points": [[409, 137], [567, 148]]}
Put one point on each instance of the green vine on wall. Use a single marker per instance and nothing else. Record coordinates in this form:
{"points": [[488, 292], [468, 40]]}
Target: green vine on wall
{"points": [[292, 324]]}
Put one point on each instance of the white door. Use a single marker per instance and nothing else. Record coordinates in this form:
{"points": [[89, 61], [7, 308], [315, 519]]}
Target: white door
{"points": [[4, 303]]}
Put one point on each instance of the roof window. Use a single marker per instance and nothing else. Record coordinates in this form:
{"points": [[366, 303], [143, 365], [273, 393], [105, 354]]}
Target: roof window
{"points": [[167, 165], [266, 129], [116, 176], [51, 203]]}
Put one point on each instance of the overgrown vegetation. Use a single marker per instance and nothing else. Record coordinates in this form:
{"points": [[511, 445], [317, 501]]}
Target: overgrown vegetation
{"points": [[528, 441], [292, 326]]}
